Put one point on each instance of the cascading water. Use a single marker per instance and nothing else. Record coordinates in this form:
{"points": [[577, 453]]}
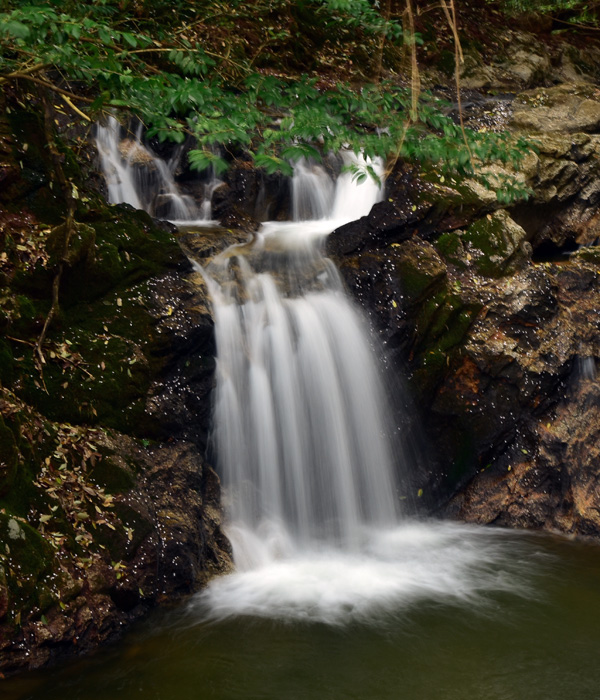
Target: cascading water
{"points": [[136, 176], [302, 437]]}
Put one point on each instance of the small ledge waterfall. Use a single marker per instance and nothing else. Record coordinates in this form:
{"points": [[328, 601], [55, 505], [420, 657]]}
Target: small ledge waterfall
{"points": [[136, 176]]}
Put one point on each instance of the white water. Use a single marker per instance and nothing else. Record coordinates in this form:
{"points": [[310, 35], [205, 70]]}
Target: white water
{"points": [[136, 176], [303, 445]]}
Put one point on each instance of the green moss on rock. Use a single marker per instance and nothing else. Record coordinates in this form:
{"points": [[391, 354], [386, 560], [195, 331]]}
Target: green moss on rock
{"points": [[9, 457], [590, 254], [26, 559], [493, 245], [111, 477], [419, 268]]}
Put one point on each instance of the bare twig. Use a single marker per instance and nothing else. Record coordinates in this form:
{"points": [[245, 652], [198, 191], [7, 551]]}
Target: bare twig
{"points": [[75, 108], [50, 86], [459, 59]]}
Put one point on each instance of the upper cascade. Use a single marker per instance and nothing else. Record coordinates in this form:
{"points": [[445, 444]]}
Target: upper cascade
{"points": [[136, 176], [316, 195], [320, 199]]}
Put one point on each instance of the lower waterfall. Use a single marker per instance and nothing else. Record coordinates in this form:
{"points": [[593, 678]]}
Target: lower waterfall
{"points": [[311, 466]]}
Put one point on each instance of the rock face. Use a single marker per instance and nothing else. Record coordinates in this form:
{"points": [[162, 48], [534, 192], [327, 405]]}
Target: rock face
{"points": [[567, 108], [496, 321], [556, 487], [108, 505]]}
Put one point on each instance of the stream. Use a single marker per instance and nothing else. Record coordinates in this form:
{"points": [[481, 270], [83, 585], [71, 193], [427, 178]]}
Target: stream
{"points": [[536, 640], [338, 592]]}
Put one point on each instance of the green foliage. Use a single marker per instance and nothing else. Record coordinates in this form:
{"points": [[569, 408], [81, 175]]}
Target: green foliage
{"points": [[160, 65], [575, 12]]}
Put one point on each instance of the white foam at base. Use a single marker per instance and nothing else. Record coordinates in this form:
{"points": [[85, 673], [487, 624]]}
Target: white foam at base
{"points": [[396, 570]]}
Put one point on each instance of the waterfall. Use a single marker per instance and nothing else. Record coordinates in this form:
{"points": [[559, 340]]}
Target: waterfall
{"points": [[137, 176], [310, 463], [300, 416]]}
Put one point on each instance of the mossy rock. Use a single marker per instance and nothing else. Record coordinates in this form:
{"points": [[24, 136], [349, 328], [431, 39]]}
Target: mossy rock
{"points": [[451, 247], [494, 245], [112, 477], [442, 323], [122, 541], [80, 246], [25, 315], [418, 266], [26, 558], [589, 254], [9, 458]]}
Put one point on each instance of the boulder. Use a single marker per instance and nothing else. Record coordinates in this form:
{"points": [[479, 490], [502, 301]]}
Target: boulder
{"points": [[568, 108]]}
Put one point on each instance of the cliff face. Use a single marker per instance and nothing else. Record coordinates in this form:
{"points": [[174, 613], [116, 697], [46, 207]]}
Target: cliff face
{"points": [[106, 506], [493, 313]]}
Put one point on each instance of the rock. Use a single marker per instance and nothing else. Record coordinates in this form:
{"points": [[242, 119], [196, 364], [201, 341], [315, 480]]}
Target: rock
{"points": [[489, 338], [551, 480], [250, 196], [416, 203], [106, 510], [564, 178], [569, 108], [490, 245]]}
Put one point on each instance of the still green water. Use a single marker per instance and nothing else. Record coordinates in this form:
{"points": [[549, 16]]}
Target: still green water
{"points": [[539, 645]]}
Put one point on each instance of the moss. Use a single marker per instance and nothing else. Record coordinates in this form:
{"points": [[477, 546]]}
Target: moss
{"points": [[25, 315], [23, 496], [122, 542], [110, 476], [589, 254], [442, 323], [27, 559], [490, 244], [451, 248], [80, 248], [8, 458]]}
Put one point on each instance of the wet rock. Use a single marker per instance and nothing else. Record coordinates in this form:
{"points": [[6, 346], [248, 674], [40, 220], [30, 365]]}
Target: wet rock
{"points": [[415, 203], [488, 338], [549, 481], [490, 245], [106, 509], [249, 196]]}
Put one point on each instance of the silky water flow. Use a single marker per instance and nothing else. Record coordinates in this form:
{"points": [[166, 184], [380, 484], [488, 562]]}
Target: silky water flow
{"points": [[309, 461], [137, 176]]}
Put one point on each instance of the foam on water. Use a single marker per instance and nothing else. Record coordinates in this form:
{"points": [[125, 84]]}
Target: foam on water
{"points": [[395, 570]]}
